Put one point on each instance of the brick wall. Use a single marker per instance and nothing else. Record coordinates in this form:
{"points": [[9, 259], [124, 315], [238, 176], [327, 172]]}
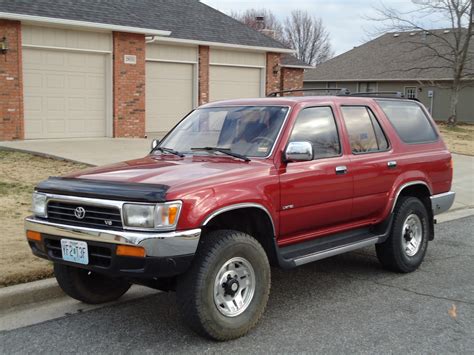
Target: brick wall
{"points": [[292, 78], [11, 83], [129, 85], [273, 73], [203, 75]]}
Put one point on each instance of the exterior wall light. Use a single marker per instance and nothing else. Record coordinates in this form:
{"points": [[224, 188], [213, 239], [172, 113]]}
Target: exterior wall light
{"points": [[3, 45], [276, 69]]}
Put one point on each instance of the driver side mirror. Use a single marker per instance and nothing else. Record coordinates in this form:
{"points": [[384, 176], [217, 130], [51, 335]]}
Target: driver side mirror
{"points": [[298, 151], [154, 143]]}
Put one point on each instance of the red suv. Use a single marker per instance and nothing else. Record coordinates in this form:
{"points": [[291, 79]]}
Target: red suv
{"points": [[238, 186]]}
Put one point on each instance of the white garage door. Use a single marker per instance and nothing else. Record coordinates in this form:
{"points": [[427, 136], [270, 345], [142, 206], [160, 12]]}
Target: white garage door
{"points": [[226, 82], [64, 94], [169, 94]]}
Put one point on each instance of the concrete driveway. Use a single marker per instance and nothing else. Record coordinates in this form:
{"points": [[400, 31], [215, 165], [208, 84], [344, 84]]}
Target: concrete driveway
{"points": [[93, 151], [101, 151]]}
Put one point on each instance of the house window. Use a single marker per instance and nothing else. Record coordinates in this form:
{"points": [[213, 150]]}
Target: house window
{"points": [[367, 87], [410, 92]]}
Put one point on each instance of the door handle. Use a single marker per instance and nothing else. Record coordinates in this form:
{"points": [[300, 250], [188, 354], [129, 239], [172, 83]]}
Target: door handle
{"points": [[392, 164], [341, 170]]}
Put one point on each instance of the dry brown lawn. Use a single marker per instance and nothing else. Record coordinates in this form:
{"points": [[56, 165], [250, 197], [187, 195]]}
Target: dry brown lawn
{"points": [[459, 139], [19, 173]]}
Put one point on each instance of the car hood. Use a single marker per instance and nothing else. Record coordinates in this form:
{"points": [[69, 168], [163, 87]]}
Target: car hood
{"points": [[155, 176]]}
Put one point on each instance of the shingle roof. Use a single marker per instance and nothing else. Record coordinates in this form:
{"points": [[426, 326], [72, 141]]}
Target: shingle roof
{"points": [[186, 19], [288, 60], [393, 56]]}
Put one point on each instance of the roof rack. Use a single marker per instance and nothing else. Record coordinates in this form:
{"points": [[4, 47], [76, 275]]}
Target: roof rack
{"points": [[396, 94], [340, 92]]}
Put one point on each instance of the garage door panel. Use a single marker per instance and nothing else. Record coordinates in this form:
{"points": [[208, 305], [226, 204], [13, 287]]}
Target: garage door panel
{"points": [[60, 92], [169, 94], [226, 82]]}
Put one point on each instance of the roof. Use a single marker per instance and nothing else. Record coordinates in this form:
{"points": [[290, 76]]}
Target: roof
{"points": [[290, 61], [392, 56], [294, 100], [186, 19]]}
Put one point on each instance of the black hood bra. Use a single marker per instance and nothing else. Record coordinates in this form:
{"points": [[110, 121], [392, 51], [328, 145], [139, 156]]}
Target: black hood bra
{"points": [[111, 190]]}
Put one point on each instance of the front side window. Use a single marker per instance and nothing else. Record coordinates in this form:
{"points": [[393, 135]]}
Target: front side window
{"points": [[409, 120], [246, 130], [365, 133], [317, 126]]}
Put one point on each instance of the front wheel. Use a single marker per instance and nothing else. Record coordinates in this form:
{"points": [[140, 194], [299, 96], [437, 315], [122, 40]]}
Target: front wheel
{"points": [[88, 286], [406, 246], [224, 293]]}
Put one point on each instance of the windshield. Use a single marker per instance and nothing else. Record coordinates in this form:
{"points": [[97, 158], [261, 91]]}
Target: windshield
{"points": [[246, 130]]}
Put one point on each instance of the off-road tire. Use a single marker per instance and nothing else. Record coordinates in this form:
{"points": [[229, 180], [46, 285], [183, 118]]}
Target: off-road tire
{"points": [[89, 287], [195, 289], [391, 253]]}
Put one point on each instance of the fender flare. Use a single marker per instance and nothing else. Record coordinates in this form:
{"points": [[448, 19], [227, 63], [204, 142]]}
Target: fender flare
{"points": [[239, 206]]}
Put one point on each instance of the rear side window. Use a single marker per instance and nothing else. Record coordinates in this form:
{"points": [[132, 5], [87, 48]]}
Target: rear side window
{"points": [[409, 120], [364, 130], [317, 126]]}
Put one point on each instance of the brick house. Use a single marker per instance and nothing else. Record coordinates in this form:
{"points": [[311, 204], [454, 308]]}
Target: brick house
{"points": [[132, 68]]}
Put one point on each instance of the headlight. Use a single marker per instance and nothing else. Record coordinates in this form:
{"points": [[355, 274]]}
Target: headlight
{"points": [[39, 205], [159, 216]]}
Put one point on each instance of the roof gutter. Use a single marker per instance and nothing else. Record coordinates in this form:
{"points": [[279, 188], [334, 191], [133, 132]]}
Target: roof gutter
{"points": [[375, 80], [222, 45], [296, 66], [82, 24]]}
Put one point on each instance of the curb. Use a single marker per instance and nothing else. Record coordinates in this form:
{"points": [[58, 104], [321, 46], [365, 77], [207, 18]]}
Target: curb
{"points": [[455, 214], [31, 292]]}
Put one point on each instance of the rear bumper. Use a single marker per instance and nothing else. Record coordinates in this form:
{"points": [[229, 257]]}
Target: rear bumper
{"points": [[442, 202], [167, 254]]}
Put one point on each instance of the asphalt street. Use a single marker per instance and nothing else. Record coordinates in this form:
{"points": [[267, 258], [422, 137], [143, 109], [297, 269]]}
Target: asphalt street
{"points": [[345, 304]]}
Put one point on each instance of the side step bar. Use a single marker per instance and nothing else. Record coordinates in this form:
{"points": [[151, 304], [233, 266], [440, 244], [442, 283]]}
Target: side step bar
{"points": [[335, 251], [331, 245]]}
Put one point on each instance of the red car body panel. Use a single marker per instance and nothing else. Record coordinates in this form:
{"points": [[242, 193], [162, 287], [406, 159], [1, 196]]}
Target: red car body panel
{"points": [[305, 199]]}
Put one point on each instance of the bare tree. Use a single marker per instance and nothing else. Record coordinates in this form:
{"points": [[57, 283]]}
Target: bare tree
{"points": [[262, 20], [449, 49], [307, 35]]}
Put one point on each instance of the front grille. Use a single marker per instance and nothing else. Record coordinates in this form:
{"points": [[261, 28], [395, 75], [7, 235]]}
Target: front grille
{"points": [[94, 217], [99, 255]]}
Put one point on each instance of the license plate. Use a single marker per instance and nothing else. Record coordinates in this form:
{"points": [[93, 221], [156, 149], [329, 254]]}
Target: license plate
{"points": [[75, 251]]}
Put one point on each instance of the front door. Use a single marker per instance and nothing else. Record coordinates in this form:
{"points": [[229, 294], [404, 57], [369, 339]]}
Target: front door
{"points": [[316, 195]]}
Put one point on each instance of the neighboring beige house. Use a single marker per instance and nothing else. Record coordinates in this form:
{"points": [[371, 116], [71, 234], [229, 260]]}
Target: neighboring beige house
{"points": [[128, 68], [397, 62]]}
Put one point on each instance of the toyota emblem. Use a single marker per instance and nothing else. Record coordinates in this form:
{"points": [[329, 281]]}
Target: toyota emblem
{"points": [[80, 212]]}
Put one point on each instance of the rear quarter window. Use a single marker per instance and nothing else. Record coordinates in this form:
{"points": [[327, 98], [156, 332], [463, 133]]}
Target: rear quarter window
{"points": [[409, 120]]}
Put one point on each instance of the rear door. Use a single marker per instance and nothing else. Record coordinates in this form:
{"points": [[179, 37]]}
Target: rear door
{"points": [[371, 162], [316, 195]]}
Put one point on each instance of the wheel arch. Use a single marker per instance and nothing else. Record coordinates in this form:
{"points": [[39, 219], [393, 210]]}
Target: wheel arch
{"points": [[251, 218], [417, 188]]}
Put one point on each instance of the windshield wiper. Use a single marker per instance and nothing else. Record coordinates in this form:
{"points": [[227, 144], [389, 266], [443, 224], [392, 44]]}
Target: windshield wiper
{"points": [[168, 150], [224, 151]]}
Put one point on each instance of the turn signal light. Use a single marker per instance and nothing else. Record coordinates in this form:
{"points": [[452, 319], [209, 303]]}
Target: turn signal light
{"points": [[126, 250], [34, 236]]}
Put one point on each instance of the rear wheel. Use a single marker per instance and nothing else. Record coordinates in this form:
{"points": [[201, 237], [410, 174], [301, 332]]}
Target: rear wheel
{"points": [[88, 286], [224, 293], [406, 246]]}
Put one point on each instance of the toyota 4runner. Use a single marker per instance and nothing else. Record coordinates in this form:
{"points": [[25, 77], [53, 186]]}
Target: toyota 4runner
{"points": [[238, 186]]}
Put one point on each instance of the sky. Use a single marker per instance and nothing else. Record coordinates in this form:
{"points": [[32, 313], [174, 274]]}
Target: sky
{"points": [[346, 20]]}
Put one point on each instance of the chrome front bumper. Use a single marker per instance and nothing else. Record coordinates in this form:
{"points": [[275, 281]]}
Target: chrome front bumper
{"points": [[442, 202], [166, 244]]}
